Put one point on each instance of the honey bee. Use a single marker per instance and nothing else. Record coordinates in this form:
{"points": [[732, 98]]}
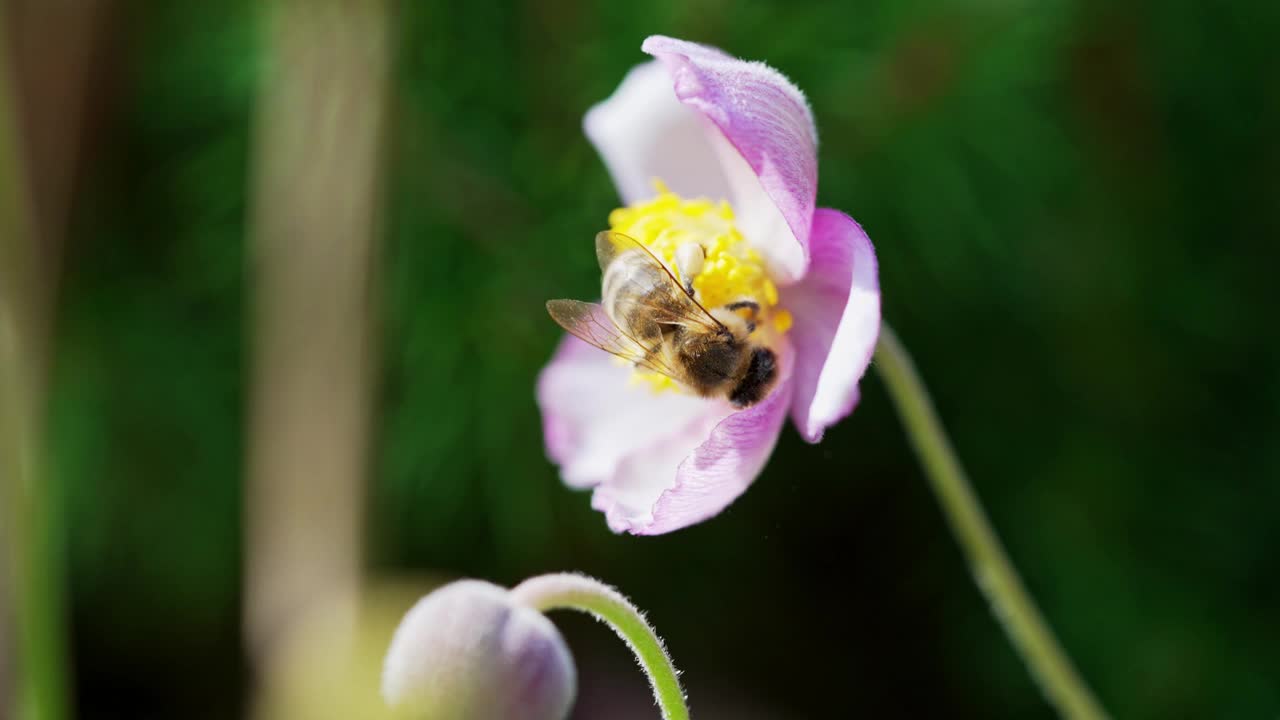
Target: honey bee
{"points": [[646, 317]]}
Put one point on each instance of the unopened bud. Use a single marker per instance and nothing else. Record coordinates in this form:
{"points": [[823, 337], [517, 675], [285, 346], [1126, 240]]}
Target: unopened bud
{"points": [[467, 652]]}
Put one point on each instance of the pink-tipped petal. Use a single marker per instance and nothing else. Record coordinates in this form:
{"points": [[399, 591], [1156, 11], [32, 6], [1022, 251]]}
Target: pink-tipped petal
{"points": [[628, 499], [657, 462], [773, 174], [722, 467], [837, 321], [595, 418], [643, 132]]}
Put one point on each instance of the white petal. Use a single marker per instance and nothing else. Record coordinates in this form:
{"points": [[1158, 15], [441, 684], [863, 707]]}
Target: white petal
{"points": [[658, 462], [599, 424], [767, 144], [758, 217], [643, 132], [629, 499]]}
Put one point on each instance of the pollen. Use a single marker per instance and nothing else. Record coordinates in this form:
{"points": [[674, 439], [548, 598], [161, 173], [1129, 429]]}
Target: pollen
{"points": [[727, 271], [654, 382], [782, 321], [732, 270]]}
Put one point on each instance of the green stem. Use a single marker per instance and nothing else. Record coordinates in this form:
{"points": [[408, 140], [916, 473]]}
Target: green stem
{"points": [[992, 570], [26, 503], [578, 592]]}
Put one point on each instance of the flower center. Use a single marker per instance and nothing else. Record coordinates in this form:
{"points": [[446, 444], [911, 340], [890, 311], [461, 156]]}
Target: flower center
{"points": [[700, 244]]}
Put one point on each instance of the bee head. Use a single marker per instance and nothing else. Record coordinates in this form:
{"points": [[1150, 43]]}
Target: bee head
{"points": [[762, 371]]}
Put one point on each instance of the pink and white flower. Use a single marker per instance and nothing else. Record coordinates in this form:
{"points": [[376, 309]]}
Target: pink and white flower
{"points": [[712, 126]]}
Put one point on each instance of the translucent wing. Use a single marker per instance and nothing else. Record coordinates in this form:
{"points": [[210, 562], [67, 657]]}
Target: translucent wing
{"points": [[673, 306], [590, 323]]}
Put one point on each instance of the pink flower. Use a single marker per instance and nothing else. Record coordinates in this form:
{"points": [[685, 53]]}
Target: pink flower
{"points": [[712, 129]]}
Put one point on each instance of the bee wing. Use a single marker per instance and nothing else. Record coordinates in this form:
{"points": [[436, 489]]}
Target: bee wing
{"points": [[678, 308], [590, 323]]}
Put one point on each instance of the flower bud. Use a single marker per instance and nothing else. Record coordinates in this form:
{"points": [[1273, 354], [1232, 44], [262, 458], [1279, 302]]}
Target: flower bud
{"points": [[466, 651]]}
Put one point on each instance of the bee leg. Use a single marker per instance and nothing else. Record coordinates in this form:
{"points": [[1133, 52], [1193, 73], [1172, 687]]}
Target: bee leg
{"points": [[740, 304]]}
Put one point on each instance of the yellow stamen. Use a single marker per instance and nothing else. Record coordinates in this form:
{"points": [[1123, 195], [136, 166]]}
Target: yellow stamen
{"points": [[655, 382], [782, 321], [732, 270]]}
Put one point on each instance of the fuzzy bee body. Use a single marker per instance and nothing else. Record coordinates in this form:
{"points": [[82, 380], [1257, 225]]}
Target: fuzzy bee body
{"points": [[647, 317]]}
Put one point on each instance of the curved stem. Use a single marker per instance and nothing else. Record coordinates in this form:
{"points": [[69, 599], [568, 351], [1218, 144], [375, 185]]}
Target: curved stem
{"points": [[992, 570], [579, 592]]}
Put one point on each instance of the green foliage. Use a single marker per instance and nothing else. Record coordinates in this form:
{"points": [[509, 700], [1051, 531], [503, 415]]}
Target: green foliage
{"points": [[1073, 205]]}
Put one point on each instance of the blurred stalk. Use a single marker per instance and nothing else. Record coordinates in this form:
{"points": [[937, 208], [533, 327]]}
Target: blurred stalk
{"points": [[30, 523], [317, 141], [996, 577]]}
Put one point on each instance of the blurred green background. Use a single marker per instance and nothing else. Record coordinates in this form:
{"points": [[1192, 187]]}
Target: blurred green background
{"points": [[1074, 205]]}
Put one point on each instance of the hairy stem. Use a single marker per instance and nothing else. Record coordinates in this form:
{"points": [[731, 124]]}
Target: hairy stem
{"points": [[578, 592], [995, 574]]}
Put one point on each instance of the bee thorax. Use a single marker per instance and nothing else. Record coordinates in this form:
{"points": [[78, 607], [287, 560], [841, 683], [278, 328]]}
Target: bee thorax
{"points": [[735, 323]]}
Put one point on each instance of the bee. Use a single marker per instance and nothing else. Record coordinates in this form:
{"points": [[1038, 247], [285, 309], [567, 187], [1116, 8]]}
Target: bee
{"points": [[647, 318]]}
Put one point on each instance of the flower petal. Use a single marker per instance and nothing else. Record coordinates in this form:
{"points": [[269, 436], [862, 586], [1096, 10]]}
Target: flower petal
{"points": [[628, 499], [837, 320], [766, 119], [644, 132], [595, 417], [658, 462], [722, 467], [696, 473]]}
